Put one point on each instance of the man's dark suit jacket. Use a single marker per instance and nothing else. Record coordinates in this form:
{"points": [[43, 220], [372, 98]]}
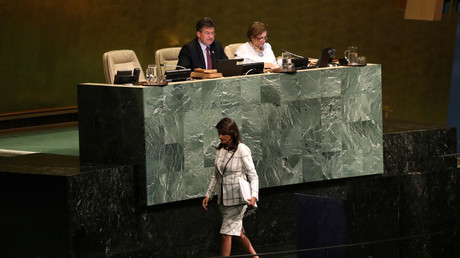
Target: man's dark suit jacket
{"points": [[191, 55]]}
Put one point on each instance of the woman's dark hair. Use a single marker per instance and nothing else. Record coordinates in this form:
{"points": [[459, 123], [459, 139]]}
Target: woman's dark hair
{"points": [[227, 126], [255, 29], [205, 22]]}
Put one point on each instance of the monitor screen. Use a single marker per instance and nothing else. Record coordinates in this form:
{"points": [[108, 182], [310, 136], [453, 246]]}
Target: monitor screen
{"points": [[127, 77], [229, 67], [253, 68], [326, 57], [300, 63], [178, 75]]}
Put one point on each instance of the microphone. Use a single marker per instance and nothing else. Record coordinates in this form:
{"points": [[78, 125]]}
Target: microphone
{"points": [[179, 66], [284, 50]]}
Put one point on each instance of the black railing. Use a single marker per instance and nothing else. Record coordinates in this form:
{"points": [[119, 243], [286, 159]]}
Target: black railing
{"points": [[326, 249]]}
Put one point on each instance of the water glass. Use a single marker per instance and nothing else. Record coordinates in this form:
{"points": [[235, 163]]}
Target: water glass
{"points": [[351, 54], [151, 73]]}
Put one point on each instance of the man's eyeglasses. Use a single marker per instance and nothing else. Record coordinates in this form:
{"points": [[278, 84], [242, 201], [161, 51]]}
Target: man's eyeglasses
{"points": [[262, 38], [207, 33]]}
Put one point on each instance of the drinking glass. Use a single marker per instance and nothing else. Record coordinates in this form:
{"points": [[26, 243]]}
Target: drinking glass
{"points": [[351, 54], [151, 73], [287, 62]]}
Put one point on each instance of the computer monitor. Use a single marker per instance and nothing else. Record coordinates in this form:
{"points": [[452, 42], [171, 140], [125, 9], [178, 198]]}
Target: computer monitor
{"points": [[178, 75], [253, 68], [326, 57], [127, 77], [230, 67], [300, 63]]}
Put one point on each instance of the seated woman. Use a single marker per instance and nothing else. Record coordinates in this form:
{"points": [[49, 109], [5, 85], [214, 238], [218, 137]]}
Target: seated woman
{"points": [[257, 49]]}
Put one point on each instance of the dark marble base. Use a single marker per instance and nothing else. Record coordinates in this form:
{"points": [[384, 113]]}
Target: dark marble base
{"points": [[417, 148], [57, 207]]}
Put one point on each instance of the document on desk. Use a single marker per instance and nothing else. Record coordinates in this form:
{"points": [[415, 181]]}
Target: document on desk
{"points": [[245, 189]]}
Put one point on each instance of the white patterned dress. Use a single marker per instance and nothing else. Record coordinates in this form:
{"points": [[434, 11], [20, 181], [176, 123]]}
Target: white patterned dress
{"points": [[229, 166]]}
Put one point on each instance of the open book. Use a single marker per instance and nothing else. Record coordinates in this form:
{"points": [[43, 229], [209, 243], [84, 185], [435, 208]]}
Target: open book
{"points": [[245, 189]]}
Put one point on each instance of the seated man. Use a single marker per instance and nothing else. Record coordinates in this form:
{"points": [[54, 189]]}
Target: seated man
{"points": [[203, 51]]}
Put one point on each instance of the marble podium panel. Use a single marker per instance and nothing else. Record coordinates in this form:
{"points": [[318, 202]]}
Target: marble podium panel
{"points": [[314, 125]]}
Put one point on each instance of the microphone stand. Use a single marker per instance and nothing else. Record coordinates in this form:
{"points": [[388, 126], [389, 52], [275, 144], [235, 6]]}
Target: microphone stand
{"points": [[284, 50], [176, 66]]}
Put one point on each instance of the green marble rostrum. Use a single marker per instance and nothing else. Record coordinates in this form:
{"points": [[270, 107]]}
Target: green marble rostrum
{"points": [[314, 125]]}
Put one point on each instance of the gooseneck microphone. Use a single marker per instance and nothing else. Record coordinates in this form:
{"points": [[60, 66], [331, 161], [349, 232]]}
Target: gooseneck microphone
{"points": [[177, 66], [285, 51]]}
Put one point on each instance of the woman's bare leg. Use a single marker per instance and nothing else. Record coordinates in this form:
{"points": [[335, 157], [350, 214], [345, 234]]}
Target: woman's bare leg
{"points": [[246, 244], [226, 245]]}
